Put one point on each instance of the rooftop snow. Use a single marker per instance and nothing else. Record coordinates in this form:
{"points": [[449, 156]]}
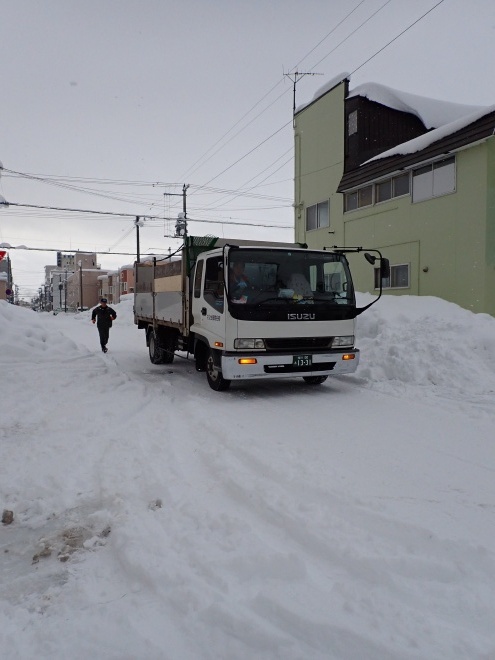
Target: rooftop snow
{"points": [[432, 112], [423, 141], [443, 117]]}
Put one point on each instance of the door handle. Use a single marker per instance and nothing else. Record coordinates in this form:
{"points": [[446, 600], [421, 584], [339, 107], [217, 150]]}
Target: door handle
{"points": [[203, 311]]}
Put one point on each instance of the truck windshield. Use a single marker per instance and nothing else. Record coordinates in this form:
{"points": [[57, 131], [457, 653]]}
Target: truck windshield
{"points": [[267, 278]]}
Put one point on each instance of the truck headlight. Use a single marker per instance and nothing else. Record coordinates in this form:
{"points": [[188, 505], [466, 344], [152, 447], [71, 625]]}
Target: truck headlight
{"points": [[345, 341], [249, 343]]}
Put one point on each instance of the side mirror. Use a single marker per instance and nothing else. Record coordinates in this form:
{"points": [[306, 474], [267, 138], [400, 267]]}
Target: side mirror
{"points": [[370, 258], [384, 271]]}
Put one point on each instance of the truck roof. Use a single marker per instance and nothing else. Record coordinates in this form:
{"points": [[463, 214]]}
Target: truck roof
{"points": [[213, 242]]}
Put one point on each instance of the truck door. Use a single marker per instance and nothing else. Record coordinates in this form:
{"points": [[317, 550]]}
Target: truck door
{"points": [[209, 298]]}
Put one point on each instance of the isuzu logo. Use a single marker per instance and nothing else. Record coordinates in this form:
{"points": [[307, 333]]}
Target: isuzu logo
{"points": [[301, 317]]}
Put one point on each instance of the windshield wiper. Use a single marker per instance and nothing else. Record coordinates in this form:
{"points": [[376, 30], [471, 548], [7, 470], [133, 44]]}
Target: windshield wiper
{"points": [[274, 298]]}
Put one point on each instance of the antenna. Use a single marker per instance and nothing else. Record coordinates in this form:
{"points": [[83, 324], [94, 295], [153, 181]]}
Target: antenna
{"points": [[297, 75]]}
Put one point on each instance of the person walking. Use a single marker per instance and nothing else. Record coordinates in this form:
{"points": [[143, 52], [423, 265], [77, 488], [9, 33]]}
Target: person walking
{"points": [[103, 316]]}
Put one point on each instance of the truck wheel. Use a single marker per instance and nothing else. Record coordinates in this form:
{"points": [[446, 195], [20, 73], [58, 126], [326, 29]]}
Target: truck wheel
{"points": [[214, 376], [156, 355], [314, 380]]}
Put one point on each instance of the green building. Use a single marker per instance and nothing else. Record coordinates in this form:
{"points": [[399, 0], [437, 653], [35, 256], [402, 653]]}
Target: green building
{"points": [[411, 176]]}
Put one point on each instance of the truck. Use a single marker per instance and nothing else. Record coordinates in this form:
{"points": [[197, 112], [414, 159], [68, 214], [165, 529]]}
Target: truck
{"points": [[246, 310]]}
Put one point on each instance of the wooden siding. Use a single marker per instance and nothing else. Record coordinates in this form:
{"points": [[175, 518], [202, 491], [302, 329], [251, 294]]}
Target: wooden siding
{"points": [[379, 128]]}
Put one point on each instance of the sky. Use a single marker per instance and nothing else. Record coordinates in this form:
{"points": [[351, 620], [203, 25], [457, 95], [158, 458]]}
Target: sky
{"points": [[113, 106], [155, 518]]}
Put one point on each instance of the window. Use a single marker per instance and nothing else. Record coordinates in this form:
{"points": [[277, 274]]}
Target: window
{"points": [[317, 216], [382, 191], [434, 180], [365, 196], [401, 185], [399, 277], [352, 123], [197, 278], [358, 198], [214, 285], [350, 201]]}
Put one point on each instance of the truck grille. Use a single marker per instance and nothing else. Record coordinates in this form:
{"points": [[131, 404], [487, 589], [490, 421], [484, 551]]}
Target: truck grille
{"points": [[298, 343]]}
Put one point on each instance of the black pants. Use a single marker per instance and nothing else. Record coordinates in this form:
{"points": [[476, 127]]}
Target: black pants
{"points": [[104, 331]]}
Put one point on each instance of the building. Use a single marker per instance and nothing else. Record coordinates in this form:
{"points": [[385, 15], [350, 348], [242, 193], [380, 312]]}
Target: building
{"points": [[126, 278], [109, 287], [73, 283], [410, 176], [6, 284]]}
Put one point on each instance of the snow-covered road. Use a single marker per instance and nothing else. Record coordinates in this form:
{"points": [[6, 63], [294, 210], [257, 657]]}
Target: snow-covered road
{"points": [[276, 520]]}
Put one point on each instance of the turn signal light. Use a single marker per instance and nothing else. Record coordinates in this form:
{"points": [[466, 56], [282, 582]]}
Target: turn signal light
{"points": [[219, 344], [248, 361], [348, 356]]}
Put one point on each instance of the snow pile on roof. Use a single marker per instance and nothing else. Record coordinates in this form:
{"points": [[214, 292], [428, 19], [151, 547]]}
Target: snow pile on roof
{"points": [[423, 141], [432, 112], [443, 117]]}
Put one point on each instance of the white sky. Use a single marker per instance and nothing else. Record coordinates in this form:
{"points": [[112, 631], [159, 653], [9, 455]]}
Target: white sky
{"points": [[138, 91], [353, 520]]}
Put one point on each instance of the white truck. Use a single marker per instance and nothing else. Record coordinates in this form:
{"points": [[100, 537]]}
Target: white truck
{"points": [[252, 309]]}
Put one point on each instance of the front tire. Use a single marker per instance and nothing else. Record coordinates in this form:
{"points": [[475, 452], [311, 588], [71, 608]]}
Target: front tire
{"points": [[214, 376], [314, 380]]}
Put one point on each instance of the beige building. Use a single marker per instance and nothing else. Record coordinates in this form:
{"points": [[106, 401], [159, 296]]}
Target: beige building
{"points": [[74, 283], [410, 176]]}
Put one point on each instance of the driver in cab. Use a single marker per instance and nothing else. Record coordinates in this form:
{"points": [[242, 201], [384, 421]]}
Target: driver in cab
{"points": [[238, 282]]}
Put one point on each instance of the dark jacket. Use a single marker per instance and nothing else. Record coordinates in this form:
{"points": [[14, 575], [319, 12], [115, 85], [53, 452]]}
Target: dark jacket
{"points": [[103, 316]]}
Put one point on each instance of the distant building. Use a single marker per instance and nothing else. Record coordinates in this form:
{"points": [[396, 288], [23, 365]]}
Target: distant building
{"points": [[6, 283]]}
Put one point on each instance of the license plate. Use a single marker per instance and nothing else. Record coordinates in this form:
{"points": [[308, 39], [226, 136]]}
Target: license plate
{"points": [[302, 360]]}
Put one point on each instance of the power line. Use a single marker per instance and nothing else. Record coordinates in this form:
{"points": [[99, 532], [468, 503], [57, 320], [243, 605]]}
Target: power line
{"points": [[249, 152], [352, 33], [329, 33], [399, 35]]}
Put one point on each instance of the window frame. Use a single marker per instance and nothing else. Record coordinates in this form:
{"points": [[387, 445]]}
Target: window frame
{"points": [[317, 218], [429, 184], [388, 283]]}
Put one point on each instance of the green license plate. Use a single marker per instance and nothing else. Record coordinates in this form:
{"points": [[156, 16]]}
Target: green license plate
{"points": [[302, 360]]}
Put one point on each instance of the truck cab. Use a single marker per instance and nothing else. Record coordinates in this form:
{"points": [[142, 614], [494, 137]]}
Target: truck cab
{"points": [[273, 313]]}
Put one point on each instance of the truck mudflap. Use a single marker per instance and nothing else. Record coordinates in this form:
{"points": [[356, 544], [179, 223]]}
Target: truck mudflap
{"points": [[262, 365]]}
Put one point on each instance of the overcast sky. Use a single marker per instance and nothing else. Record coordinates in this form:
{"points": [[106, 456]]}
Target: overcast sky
{"points": [[111, 104]]}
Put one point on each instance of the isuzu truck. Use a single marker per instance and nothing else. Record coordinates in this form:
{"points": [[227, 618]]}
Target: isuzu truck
{"points": [[247, 310]]}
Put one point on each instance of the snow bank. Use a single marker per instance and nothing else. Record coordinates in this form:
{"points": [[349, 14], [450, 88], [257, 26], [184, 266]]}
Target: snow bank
{"points": [[26, 336], [426, 343]]}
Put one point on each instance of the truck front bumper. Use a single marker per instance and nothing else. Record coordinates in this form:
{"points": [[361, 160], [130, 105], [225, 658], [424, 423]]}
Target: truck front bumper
{"points": [[282, 365]]}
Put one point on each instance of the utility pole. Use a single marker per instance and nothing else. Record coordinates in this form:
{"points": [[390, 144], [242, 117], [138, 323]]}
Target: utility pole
{"points": [[297, 76], [138, 223], [81, 284], [65, 291], [181, 222]]}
